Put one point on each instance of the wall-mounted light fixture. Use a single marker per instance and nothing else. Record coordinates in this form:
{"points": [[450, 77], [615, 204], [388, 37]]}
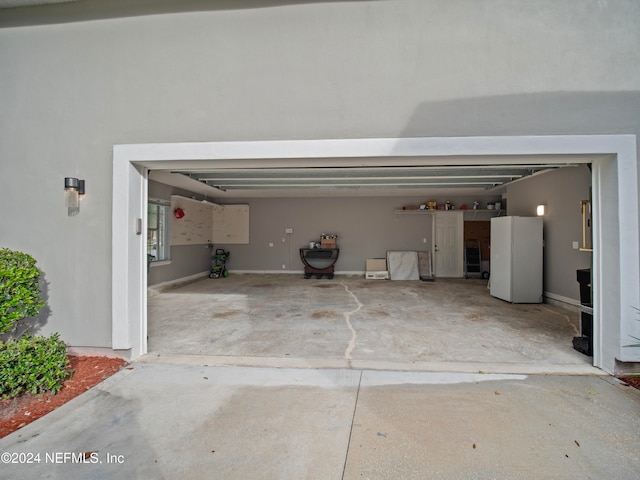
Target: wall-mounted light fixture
{"points": [[73, 188], [541, 210]]}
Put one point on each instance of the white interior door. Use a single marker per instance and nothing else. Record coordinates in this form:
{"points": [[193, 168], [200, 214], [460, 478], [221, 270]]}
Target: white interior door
{"points": [[448, 246]]}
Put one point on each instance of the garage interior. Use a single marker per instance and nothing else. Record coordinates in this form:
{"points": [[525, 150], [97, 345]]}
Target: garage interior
{"points": [[266, 313]]}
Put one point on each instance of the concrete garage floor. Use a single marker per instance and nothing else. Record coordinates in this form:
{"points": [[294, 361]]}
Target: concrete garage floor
{"points": [[350, 322]]}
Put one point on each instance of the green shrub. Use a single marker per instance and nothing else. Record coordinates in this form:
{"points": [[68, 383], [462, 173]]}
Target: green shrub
{"points": [[19, 288], [33, 364], [29, 364]]}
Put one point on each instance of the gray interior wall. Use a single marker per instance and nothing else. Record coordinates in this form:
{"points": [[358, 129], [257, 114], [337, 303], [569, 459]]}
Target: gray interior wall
{"points": [[561, 191], [285, 70], [366, 227], [186, 260]]}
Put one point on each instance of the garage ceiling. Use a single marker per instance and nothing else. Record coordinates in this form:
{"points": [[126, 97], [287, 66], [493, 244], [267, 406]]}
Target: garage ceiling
{"points": [[485, 177], [489, 179]]}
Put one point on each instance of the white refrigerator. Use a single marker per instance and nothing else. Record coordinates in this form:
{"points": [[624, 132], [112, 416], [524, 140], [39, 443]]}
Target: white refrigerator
{"points": [[516, 259]]}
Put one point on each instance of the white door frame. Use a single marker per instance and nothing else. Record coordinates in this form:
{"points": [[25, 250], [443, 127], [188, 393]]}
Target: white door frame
{"points": [[616, 268]]}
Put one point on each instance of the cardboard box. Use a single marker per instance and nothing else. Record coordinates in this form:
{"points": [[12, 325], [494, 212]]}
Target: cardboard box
{"points": [[376, 264], [379, 275]]}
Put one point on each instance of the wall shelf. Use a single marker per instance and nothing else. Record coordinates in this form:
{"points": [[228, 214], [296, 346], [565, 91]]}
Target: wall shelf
{"points": [[414, 212], [424, 212], [482, 213]]}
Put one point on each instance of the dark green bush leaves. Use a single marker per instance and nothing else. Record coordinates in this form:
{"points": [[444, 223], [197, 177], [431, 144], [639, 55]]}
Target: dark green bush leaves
{"points": [[34, 365], [19, 288], [28, 364]]}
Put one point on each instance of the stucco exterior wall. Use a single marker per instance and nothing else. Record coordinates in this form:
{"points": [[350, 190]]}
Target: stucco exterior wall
{"points": [[281, 70]]}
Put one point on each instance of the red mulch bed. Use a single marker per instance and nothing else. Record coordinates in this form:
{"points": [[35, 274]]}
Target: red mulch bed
{"points": [[633, 381], [17, 412]]}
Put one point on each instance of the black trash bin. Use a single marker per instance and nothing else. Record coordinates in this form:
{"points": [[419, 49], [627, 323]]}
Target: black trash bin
{"points": [[584, 343]]}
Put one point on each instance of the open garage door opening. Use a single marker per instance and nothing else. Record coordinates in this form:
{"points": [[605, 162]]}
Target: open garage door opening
{"points": [[264, 314], [276, 245]]}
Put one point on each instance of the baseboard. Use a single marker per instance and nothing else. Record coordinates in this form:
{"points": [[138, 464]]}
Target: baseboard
{"points": [[296, 272], [161, 287], [264, 272], [561, 301]]}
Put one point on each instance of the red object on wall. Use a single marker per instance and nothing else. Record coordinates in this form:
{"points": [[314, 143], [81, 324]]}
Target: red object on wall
{"points": [[178, 213]]}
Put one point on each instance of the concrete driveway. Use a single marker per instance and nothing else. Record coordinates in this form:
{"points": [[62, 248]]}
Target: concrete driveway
{"points": [[156, 421]]}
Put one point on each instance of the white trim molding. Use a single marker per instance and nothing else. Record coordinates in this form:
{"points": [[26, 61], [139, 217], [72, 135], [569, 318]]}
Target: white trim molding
{"points": [[153, 290], [561, 300]]}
